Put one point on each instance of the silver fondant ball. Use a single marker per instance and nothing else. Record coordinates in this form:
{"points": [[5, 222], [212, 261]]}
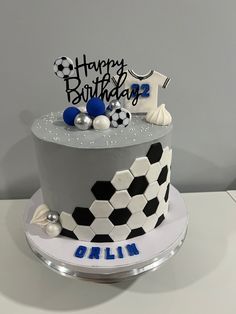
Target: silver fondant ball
{"points": [[114, 104], [53, 229], [52, 216], [83, 121]]}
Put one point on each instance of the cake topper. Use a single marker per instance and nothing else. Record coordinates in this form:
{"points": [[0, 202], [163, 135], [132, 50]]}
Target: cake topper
{"points": [[100, 86], [63, 67], [139, 92], [144, 90]]}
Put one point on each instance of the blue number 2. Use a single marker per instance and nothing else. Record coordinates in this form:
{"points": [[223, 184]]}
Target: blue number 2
{"points": [[145, 88]]}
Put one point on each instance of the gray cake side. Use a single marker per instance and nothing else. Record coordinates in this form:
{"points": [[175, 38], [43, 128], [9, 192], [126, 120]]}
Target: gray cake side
{"points": [[75, 178]]}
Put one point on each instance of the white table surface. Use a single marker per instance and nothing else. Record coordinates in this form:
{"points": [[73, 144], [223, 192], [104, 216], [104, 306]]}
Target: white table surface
{"points": [[201, 278]]}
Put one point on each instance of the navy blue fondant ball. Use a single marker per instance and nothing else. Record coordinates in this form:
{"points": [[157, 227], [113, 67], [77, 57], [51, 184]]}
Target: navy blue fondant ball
{"points": [[69, 115], [95, 107]]}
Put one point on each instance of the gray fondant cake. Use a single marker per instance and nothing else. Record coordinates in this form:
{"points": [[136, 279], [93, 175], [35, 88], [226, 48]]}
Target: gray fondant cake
{"points": [[106, 185]]}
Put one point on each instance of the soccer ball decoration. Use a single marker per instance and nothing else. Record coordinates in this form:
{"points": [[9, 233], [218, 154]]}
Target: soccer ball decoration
{"points": [[120, 117], [97, 116], [63, 67]]}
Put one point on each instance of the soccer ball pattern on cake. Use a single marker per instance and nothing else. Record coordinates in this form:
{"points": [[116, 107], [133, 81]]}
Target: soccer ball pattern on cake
{"points": [[133, 203], [63, 67]]}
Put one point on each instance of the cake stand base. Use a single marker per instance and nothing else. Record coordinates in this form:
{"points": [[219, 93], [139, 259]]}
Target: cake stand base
{"points": [[147, 252]]}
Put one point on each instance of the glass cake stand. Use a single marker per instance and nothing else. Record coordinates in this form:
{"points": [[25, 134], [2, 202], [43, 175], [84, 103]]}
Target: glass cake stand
{"points": [[153, 248]]}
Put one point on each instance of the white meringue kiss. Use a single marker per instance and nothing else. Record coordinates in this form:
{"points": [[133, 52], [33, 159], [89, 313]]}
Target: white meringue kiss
{"points": [[159, 116]]}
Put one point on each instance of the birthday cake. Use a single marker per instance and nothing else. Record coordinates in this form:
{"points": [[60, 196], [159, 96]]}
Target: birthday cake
{"points": [[105, 161]]}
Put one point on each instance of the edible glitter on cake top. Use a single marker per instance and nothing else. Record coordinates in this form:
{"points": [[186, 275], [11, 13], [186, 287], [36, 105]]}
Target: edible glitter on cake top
{"points": [[52, 128]]}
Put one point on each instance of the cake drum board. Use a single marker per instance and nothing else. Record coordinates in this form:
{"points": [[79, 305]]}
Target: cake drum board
{"points": [[154, 248]]}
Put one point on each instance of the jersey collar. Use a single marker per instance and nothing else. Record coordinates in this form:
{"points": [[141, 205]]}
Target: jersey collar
{"points": [[139, 76]]}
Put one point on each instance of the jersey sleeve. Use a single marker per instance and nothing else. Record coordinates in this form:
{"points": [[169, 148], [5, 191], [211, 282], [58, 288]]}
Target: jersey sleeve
{"points": [[162, 80]]}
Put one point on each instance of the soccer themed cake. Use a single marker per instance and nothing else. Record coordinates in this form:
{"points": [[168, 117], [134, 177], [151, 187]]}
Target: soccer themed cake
{"points": [[105, 168]]}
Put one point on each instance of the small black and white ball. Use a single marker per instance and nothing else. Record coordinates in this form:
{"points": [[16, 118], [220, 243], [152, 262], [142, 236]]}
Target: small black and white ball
{"points": [[120, 117], [63, 67]]}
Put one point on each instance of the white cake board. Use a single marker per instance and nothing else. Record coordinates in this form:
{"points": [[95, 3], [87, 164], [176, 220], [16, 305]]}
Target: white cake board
{"points": [[154, 248]]}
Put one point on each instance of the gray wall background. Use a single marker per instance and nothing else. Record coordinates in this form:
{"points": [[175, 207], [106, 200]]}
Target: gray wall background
{"points": [[192, 41]]}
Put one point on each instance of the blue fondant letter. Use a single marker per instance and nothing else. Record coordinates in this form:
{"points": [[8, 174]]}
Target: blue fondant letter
{"points": [[132, 249], [108, 254], [120, 252], [80, 252], [95, 252]]}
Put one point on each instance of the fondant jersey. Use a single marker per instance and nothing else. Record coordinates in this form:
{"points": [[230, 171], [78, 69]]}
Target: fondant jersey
{"points": [[147, 86]]}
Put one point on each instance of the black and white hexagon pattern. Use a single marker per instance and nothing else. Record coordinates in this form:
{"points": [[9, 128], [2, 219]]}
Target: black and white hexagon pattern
{"points": [[120, 118], [63, 67], [133, 203]]}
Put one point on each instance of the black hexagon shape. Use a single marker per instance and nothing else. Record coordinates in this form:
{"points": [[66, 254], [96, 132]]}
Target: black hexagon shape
{"points": [[120, 216], [102, 238], [151, 207], [138, 186], [159, 221], [167, 193], [163, 175], [68, 233], [83, 216], [60, 67], [155, 152], [135, 233], [103, 190]]}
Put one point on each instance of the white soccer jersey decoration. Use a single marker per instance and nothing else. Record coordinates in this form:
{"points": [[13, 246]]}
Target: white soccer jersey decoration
{"points": [[147, 87]]}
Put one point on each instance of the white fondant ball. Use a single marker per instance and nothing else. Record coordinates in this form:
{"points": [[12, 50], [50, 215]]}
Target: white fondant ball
{"points": [[53, 229], [101, 123]]}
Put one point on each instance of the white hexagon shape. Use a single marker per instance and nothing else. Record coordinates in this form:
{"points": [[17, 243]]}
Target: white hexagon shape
{"points": [[170, 157], [67, 221], [152, 190], [84, 233], [120, 199], [166, 157], [137, 220], [140, 166], [168, 175], [153, 172], [102, 226], [166, 209], [122, 179], [150, 223], [162, 208], [162, 191], [101, 209], [137, 203], [120, 233]]}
